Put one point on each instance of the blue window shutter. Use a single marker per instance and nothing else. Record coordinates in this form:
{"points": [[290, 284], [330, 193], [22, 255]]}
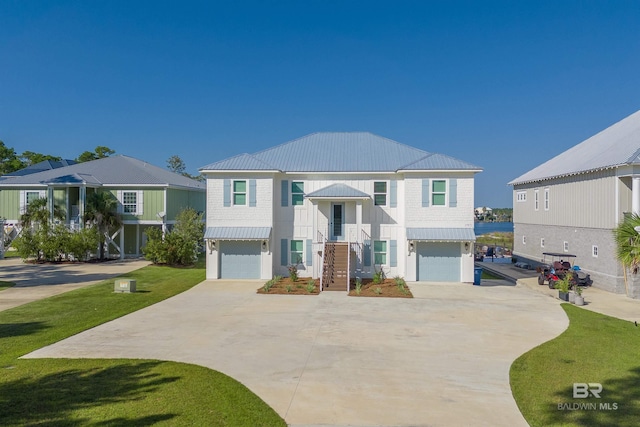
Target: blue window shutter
{"points": [[425, 193], [367, 253], [252, 192], [393, 253], [227, 193], [309, 253], [453, 193], [284, 252], [393, 194], [285, 192]]}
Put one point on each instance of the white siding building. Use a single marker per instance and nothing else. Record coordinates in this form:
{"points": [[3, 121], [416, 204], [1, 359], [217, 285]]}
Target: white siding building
{"points": [[572, 203], [387, 205]]}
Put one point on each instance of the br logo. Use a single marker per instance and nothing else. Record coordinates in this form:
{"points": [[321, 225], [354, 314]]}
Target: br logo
{"points": [[583, 390]]}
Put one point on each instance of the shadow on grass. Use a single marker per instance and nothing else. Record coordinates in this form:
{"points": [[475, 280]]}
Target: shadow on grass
{"points": [[618, 405], [20, 329], [53, 399]]}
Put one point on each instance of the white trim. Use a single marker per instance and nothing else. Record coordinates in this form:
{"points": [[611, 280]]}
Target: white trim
{"points": [[547, 198], [521, 196], [536, 199], [594, 251], [565, 246]]}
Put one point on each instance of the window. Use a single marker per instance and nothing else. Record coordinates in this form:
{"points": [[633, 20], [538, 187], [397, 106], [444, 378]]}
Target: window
{"points": [[130, 202], [30, 196], [542, 242], [594, 251], [536, 195], [524, 240], [239, 192], [296, 252], [566, 246], [380, 252], [438, 193], [546, 199], [380, 193], [521, 196], [297, 193]]}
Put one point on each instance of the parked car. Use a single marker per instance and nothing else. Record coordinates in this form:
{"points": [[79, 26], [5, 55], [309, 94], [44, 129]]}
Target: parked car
{"points": [[556, 266]]}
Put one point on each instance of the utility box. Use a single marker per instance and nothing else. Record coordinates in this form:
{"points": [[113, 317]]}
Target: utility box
{"points": [[124, 285]]}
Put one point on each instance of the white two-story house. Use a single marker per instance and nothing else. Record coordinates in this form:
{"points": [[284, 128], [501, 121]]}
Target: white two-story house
{"points": [[341, 205]]}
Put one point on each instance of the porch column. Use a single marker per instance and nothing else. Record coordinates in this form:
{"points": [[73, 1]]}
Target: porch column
{"points": [[314, 204], [358, 220], [122, 242], [635, 195], [52, 203], [1, 238], [81, 205], [137, 240]]}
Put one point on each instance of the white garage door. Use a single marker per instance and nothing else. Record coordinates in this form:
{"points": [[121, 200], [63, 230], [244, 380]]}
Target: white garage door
{"points": [[439, 262], [240, 260]]}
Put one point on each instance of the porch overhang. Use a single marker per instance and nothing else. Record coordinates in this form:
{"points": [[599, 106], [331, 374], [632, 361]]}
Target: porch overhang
{"points": [[446, 234], [237, 233], [338, 192]]}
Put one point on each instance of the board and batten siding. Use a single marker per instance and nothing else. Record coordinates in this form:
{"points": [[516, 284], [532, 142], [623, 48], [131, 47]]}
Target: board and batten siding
{"points": [[177, 200], [10, 204], [586, 200], [152, 203]]}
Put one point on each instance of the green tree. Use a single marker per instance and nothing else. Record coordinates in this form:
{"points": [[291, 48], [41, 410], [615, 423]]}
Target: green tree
{"points": [[9, 161], [176, 165], [99, 152], [628, 243], [37, 213], [101, 212], [180, 245], [31, 158]]}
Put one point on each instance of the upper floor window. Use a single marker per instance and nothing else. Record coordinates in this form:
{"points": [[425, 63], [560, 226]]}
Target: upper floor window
{"points": [[130, 202], [239, 192], [536, 197], [521, 196], [546, 199], [297, 193], [438, 193], [380, 193]]}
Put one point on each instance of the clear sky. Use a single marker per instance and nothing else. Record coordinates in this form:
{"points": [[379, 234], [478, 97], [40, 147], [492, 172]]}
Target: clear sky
{"points": [[503, 85]]}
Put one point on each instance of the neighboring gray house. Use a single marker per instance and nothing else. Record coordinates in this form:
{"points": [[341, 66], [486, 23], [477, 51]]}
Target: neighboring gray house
{"points": [[340, 204], [571, 203], [148, 196]]}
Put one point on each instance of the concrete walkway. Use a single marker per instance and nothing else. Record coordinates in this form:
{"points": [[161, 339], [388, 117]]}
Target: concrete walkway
{"points": [[440, 359], [38, 281]]}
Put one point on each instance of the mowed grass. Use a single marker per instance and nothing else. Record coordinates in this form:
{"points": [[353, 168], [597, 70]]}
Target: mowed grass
{"points": [[111, 392], [5, 285], [594, 349]]}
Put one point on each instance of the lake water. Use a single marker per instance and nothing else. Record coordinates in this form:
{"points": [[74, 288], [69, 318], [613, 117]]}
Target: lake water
{"points": [[491, 227]]}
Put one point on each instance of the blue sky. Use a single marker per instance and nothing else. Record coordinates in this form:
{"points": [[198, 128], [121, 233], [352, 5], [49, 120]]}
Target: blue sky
{"points": [[504, 85]]}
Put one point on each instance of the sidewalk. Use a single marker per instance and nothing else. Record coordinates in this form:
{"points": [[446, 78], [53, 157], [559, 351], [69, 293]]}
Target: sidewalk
{"points": [[38, 281], [615, 305]]}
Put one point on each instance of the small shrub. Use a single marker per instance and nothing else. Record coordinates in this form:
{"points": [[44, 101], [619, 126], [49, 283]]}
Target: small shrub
{"points": [[379, 276], [358, 286], [269, 285], [400, 283], [311, 286], [288, 288], [293, 272], [378, 290]]}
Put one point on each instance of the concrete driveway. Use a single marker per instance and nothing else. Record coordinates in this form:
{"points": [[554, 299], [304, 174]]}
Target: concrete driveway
{"points": [[440, 359], [37, 281]]}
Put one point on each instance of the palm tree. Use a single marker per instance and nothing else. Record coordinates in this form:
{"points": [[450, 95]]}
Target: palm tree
{"points": [[37, 212], [628, 243], [101, 211]]}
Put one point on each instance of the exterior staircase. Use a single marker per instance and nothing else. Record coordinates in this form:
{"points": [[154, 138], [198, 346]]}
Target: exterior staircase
{"points": [[335, 266]]}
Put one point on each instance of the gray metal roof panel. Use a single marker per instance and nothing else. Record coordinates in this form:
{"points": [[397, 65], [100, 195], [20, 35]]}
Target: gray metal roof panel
{"points": [[111, 171], [342, 152], [441, 234], [241, 162], [42, 166], [237, 233], [437, 161], [617, 145], [338, 191]]}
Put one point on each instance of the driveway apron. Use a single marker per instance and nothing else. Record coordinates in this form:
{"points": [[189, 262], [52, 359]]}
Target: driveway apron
{"points": [[440, 359]]}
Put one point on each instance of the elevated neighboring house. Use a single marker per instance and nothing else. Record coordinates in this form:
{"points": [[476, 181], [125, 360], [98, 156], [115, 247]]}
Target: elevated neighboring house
{"points": [[571, 203], [339, 205], [148, 196]]}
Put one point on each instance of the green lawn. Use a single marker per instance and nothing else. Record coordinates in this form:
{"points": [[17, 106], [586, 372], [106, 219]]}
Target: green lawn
{"points": [[110, 392], [594, 349], [5, 285]]}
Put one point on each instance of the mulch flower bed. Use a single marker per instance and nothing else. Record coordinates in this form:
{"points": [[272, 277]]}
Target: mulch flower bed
{"points": [[388, 288], [286, 286]]}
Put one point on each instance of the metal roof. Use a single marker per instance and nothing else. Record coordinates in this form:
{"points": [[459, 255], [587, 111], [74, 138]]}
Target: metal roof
{"points": [[441, 234], [338, 191], [617, 145], [42, 166], [237, 233], [342, 152], [109, 171]]}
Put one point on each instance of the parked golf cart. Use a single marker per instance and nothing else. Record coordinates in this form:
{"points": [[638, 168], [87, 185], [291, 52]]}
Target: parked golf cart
{"points": [[555, 266]]}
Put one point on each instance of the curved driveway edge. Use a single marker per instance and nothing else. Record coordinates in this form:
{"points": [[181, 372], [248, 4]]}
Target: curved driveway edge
{"points": [[38, 281], [440, 359]]}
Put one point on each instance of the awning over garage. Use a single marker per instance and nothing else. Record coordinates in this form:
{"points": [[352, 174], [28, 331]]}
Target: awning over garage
{"points": [[441, 234], [237, 233]]}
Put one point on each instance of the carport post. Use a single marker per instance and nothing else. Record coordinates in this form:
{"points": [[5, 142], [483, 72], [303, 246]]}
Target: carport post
{"points": [[1, 238]]}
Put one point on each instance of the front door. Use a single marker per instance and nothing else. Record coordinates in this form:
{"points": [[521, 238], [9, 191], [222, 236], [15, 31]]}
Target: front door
{"points": [[337, 221]]}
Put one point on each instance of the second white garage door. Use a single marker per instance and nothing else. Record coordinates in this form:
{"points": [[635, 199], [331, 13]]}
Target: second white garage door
{"points": [[240, 260], [439, 262]]}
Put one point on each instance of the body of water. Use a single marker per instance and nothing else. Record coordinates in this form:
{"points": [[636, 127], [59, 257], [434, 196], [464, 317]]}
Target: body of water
{"points": [[491, 227]]}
